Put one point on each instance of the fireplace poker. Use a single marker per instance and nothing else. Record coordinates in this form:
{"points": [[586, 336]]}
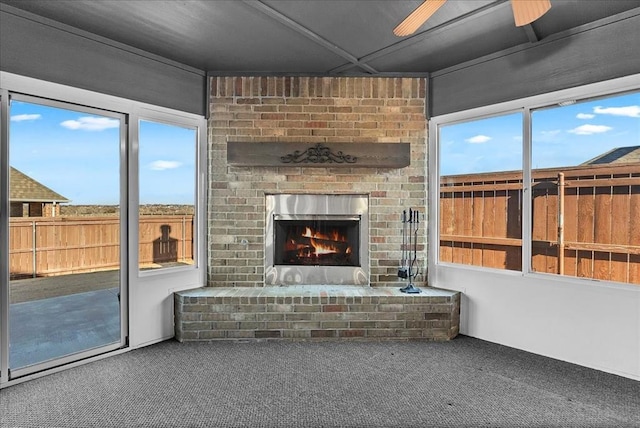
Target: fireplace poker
{"points": [[414, 216], [402, 270], [414, 262]]}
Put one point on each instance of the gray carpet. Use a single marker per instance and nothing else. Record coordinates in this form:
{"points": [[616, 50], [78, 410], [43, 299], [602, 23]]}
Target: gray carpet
{"points": [[463, 383]]}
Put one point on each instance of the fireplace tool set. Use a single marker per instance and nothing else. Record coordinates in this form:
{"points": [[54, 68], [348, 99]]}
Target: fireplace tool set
{"points": [[409, 264]]}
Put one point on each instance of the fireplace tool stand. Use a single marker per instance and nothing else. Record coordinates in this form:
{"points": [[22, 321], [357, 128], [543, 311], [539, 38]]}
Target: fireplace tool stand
{"points": [[409, 267]]}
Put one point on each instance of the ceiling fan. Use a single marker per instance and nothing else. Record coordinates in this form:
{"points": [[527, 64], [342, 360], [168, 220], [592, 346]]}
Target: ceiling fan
{"points": [[524, 12]]}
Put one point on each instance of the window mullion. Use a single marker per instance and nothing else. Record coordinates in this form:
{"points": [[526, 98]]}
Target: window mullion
{"points": [[526, 191]]}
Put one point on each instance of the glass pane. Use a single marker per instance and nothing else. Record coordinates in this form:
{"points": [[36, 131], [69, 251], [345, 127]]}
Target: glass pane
{"points": [[586, 189], [64, 238], [167, 176], [480, 192]]}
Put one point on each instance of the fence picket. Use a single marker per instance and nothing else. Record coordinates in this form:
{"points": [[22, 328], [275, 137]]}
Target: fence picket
{"points": [[601, 220]]}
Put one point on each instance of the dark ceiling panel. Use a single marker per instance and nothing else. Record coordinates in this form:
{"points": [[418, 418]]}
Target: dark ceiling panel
{"points": [[572, 13], [474, 37], [364, 26], [315, 36], [340, 21], [218, 35]]}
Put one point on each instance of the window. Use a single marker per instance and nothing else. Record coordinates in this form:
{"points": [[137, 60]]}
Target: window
{"points": [[577, 161], [167, 194], [480, 192], [586, 189]]}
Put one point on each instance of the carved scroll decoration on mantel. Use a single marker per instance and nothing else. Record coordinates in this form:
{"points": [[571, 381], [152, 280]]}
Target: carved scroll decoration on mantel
{"points": [[318, 154], [333, 155]]}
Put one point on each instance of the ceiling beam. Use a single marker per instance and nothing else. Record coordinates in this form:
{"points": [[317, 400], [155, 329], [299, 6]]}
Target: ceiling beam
{"points": [[531, 33], [314, 37]]}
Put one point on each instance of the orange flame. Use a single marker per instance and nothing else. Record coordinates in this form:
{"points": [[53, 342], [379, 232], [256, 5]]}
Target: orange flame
{"points": [[333, 235], [323, 248], [320, 248]]}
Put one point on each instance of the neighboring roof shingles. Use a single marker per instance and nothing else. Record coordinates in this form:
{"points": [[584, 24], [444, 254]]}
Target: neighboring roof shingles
{"points": [[26, 189], [617, 155]]}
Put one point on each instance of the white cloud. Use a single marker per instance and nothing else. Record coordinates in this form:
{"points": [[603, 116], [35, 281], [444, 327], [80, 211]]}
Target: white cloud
{"points": [[585, 116], [629, 111], [23, 117], [161, 165], [90, 123], [478, 139], [590, 129]]}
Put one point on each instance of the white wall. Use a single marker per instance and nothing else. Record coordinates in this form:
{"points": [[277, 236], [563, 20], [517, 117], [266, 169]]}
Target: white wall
{"points": [[593, 325]]}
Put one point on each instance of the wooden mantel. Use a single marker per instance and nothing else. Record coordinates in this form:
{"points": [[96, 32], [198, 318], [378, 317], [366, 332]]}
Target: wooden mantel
{"points": [[349, 155]]}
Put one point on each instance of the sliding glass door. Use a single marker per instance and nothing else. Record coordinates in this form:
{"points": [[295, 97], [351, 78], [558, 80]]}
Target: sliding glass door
{"points": [[101, 220], [67, 221]]}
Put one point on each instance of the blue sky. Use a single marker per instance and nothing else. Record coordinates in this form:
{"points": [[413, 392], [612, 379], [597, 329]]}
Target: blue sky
{"points": [[77, 155], [561, 136]]}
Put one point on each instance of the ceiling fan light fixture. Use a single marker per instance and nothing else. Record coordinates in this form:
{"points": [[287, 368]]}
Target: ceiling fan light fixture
{"points": [[527, 11], [418, 17]]}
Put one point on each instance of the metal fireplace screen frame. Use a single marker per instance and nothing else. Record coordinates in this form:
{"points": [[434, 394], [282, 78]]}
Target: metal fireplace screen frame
{"points": [[317, 207]]}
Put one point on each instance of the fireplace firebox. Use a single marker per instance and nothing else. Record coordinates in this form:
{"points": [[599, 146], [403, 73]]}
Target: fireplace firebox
{"points": [[317, 239]]}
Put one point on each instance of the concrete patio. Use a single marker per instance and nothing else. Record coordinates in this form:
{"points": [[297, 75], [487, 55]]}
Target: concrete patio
{"points": [[57, 316]]}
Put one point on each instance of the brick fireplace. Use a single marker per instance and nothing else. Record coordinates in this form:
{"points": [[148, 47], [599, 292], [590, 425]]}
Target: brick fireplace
{"points": [[357, 112], [268, 277]]}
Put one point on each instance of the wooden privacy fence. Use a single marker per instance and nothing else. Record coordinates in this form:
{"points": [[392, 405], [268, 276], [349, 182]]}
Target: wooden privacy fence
{"points": [[46, 246], [586, 221]]}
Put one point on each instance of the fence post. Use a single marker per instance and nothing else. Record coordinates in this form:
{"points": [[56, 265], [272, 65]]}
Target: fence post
{"points": [[561, 223], [34, 250], [184, 237]]}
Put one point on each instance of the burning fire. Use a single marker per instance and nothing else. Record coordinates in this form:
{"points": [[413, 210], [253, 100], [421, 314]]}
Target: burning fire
{"points": [[333, 236], [321, 248]]}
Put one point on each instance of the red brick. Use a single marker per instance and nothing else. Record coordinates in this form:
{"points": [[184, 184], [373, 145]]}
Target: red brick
{"points": [[335, 308]]}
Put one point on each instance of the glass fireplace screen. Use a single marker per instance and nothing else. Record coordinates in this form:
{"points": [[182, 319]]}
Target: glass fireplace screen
{"points": [[318, 240]]}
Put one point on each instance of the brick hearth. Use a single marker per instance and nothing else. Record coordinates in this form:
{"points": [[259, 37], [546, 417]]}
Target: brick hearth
{"points": [[315, 312]]}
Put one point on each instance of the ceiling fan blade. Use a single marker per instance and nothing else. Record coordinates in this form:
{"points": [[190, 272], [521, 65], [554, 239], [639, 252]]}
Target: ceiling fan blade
{"points": [[527, 11], [418, 17]]}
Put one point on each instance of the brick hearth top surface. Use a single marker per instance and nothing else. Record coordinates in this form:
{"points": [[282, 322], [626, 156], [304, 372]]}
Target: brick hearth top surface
{"points": [[313, 291]]}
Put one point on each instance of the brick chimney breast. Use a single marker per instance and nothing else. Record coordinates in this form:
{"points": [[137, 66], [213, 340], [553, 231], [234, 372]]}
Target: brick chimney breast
{"points": [[354, 110]]}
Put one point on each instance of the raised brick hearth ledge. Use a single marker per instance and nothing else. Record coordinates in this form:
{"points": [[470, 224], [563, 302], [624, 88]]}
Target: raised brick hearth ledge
{"points": [[316, 312]]}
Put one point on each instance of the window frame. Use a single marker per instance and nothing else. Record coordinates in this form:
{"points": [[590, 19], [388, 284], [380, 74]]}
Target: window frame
{"points": [[199, 229], [519, 111]]}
